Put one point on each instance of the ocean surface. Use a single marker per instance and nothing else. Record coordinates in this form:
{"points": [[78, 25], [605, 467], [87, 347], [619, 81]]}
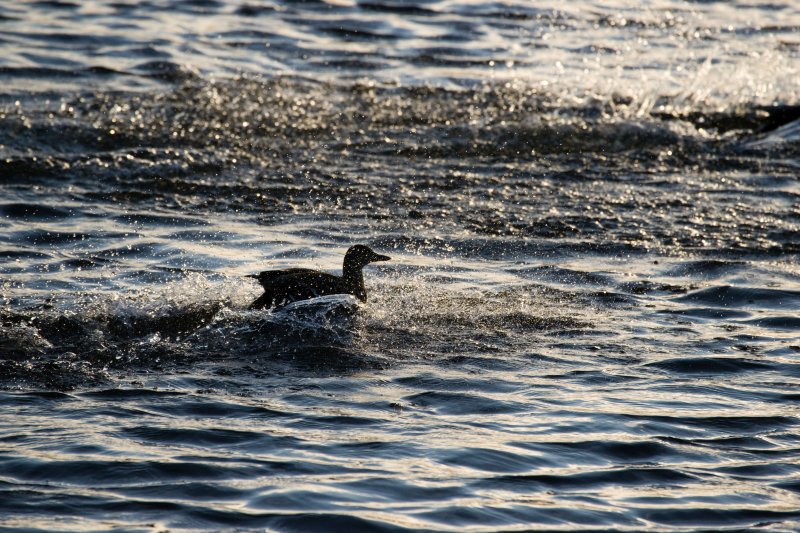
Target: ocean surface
{"points": [[591, 318]]}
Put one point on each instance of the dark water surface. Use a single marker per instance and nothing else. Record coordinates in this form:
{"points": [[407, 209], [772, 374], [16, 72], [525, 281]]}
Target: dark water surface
{"points": [[591, 319]]}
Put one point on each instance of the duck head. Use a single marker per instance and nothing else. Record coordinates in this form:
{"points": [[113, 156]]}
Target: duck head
{"points": [[359, 256]]}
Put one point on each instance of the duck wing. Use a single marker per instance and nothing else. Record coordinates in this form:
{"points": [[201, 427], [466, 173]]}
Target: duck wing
{"points": [[282, 287], [269, 277]]}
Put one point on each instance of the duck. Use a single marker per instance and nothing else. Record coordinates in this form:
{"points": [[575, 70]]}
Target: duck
{"points": [[282, 287]]}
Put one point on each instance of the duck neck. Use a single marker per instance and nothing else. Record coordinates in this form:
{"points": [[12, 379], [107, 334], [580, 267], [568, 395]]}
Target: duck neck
{"points": [[354, 279]]}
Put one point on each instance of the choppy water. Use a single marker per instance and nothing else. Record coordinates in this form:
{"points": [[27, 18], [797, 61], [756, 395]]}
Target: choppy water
{"points": [[591, 320]]}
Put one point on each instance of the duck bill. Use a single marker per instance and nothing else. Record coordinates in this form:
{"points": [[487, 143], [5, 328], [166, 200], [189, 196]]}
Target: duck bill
{"points": [[378, 257]]}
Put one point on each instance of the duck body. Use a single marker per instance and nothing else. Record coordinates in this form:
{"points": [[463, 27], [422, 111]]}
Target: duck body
{"points": [[282, 287]]}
